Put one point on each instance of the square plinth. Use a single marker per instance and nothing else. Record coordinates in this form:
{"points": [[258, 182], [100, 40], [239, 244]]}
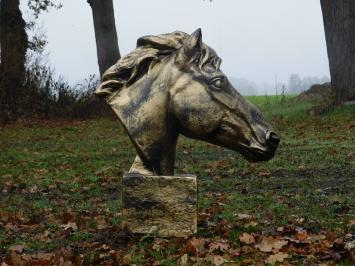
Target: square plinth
{"points": [[164, 206]]}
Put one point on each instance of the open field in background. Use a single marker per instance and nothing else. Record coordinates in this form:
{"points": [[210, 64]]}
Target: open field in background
{"points": [[60, 195]]}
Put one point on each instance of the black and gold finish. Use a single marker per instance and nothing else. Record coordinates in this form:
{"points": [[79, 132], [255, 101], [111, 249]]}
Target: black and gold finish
{"points": [[172, 84]]}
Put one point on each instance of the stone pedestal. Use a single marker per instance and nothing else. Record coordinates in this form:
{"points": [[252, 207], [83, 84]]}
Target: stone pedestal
{"points": [[164, 206]]}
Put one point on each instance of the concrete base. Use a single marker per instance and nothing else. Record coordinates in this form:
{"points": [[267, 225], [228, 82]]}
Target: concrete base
{"points": [[164, 206]]}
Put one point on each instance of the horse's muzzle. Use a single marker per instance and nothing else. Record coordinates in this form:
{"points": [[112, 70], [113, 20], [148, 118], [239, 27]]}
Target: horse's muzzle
{"points": [[266, 153], [272, 140]]}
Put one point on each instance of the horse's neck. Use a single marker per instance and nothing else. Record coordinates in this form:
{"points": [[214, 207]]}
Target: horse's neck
{"points": [[154, 133], [161, 162]]}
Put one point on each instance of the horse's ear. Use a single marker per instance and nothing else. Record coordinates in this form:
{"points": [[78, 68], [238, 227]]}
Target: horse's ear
{"points": [[192, 45], [195, 40]]}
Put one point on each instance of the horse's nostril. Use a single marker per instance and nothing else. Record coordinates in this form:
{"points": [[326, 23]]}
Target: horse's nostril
{"points": [[272, 139]]}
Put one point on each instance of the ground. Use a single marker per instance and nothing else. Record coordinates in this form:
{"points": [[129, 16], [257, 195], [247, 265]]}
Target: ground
{"points": [[60, 195]]}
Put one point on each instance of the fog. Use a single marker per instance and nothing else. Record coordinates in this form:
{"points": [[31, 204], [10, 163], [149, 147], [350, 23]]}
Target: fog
{"points": [[258, 40]]}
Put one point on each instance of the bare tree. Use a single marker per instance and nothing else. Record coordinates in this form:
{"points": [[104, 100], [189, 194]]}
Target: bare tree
{"points": [[105, 33], [339, 25]]}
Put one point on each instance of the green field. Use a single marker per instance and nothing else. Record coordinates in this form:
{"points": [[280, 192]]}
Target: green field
{"points": [[60, 193]]}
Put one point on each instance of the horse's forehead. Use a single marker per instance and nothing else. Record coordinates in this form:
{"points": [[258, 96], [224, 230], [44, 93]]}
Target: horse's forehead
{"points": [[210, 52]]}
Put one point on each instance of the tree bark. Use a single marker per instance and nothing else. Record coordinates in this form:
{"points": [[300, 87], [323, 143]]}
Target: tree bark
{"points": [[105, 33], [13, 43], [339, 25]]}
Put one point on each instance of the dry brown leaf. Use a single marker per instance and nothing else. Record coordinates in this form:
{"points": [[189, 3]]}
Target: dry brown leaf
{"points": [[196, 245], [279, 257], [127, 259], [220, 245], [264, 174], [218, 261], [269, 244], [69, 226], [324, 245], [234, 252], [184, 259], [301, 235], [350, 245], [42, 258], [101, 223], [18, 248], [16, 259], [247, 238], [242, 216], [251, 224], [43, 236], [314, 238], [279, 243], [159, 244]]}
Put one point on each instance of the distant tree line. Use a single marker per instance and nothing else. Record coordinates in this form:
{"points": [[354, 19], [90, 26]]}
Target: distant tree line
{"points": [[296, 84]]}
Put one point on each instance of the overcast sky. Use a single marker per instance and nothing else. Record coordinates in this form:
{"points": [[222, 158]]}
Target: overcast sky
{"points": [[256, 39]]}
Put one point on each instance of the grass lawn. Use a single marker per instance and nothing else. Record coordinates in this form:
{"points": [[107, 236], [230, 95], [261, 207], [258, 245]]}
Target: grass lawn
{"points": [[60, 195]]}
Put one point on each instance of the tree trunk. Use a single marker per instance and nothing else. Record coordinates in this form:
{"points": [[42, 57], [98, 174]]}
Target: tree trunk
{"points": [[105, 33], [339, 25], [13, 43]]}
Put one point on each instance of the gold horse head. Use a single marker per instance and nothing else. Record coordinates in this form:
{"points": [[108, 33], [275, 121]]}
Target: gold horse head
{"points": [[172, 84]]}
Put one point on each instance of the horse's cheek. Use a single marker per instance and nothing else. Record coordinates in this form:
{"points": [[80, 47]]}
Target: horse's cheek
{"points": [[198, 118]]}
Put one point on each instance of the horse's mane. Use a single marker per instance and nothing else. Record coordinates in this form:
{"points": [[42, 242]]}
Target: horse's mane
{"points": [[134, 65]]}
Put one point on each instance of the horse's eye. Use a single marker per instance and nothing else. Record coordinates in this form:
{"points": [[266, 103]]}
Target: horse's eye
{"points": [[217, 83]]}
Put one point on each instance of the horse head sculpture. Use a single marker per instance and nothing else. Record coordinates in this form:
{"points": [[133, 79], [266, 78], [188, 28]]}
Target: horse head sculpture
{"points": [[172, 84]]}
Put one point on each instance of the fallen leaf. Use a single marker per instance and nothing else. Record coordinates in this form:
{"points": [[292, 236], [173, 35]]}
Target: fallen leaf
{"points": [[196, 245], [42, 258], [218, 261], [159, 244], [183, 260], [69, 226], [234, 252], [301, 235], [350, 245], [279, 257], [127, 259], [247, 238], [300, 220], [18, 248], [264, 174], [314, 238], [269, 244], [242, 216], [16, 259], [351, 223], [220, 245], [280, 229], [251, 224], [43, 236]]}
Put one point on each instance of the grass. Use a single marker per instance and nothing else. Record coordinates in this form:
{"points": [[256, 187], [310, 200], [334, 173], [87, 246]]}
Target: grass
{"points": [[53, 174]]}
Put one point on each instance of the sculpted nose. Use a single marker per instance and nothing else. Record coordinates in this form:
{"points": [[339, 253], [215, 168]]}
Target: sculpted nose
{"points": [[272, 139]]}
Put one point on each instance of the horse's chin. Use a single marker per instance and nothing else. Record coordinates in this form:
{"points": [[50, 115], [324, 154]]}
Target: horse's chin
{"points": [[256, 155]]}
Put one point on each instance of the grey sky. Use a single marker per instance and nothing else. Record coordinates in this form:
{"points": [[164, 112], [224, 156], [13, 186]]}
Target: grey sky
{"points": [[256, 39]]}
